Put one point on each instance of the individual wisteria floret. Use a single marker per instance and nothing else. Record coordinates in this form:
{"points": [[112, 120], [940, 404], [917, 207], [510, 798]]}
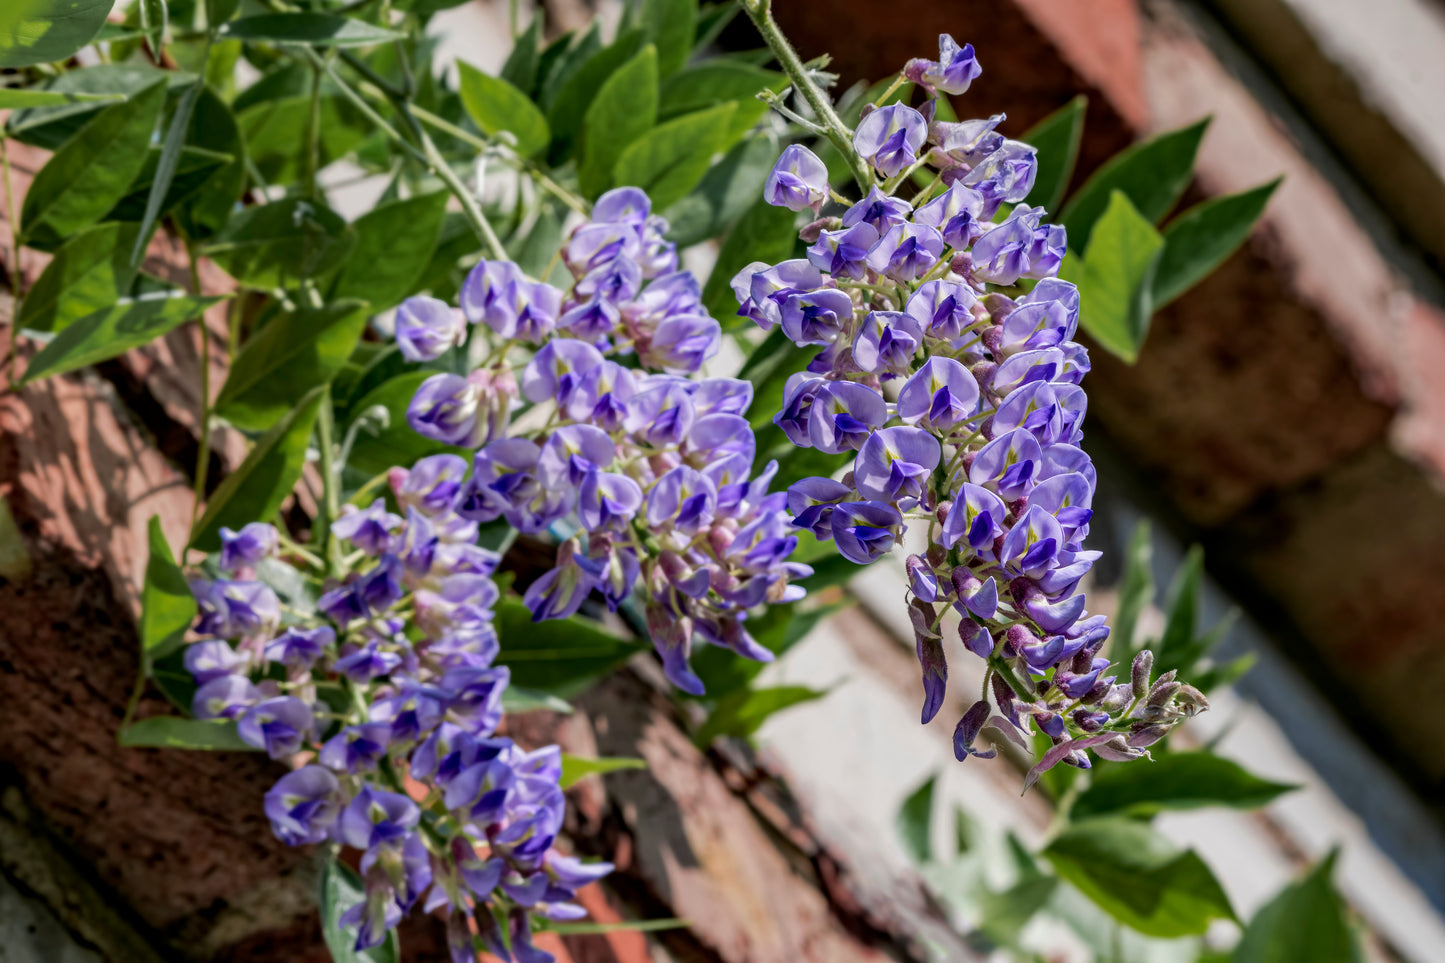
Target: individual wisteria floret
{"points": [[392, 679], [592, 421], [946, 368]]}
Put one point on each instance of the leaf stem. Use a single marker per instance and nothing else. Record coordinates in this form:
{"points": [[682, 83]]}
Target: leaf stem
{"points": [[520, 164], [14, 256], [428, 155], [313, 133], [203, 458], [331, 497], [761, 13]]}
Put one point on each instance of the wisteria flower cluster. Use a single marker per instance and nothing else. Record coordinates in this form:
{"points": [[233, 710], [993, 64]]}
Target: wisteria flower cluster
{"points": [[643, 469], [948, 365], [392, 679]]}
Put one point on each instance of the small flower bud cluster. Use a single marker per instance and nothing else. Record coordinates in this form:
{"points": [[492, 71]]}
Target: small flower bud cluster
{"points": [[947, 363], [644, 471], [391, 678]]}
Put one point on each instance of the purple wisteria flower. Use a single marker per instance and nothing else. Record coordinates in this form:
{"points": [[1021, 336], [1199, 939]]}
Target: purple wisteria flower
{"points": [[955, 68], [798, 180], [979, 445], [303, 805], [402, 632], [426, 328], [890, 138], [243, 549]]}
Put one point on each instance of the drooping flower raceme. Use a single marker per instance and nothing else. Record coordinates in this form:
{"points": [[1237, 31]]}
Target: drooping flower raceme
{"points": [[592, 422], [391, 678], [946, 368]]}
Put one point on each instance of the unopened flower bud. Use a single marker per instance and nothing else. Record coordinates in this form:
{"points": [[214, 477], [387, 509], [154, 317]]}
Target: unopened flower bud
{"points": [[1191, 700], [814, 229], [923, 616], [1139, 673], [1162, 692]]}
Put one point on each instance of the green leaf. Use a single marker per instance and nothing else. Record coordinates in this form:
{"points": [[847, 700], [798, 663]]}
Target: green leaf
{"points": [[12, 99], [395, 444], [497, 106], [44, 31], [175, 141], [515, 699], [312, 29], [728, 189], [257, 487], [51, 127], [271, 126], [561, 59], [625, 109], [89, 272], [625, 926], [1057, 138], [342, 889], [394, 245], [764, 233], [175, 681], [154, 19], [714, 82], [1305, 921], [576, 768], [669, 160], [290, 356], [1136, 590], [194, 169], [273, 245], [1138, 877], [1198, 241], [914, 822], [1003, 915], [167, 606], [1115, 278], [534, 248], [213, 128], [558, 655], [1177, 780], [1177, 647], [113, 331], [86, 177], [173, 732], [670, 26], [219, 11], [520, 70], [579, 78], [1152, 174], [743, 713]]}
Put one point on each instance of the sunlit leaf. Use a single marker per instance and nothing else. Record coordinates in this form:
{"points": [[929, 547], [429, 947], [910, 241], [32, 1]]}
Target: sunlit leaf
{"points": [[259, 484], [625, 109], [167, 606], [173, 732], [44, 31], [87, 176], [497, 106], [113, 331], [1138, 877], [291, 355], [576, 768]]}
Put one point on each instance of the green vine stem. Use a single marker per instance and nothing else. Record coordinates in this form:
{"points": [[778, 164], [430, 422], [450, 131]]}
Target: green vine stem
{"points": [[14, 256], [761, 13], [203, 458]]}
